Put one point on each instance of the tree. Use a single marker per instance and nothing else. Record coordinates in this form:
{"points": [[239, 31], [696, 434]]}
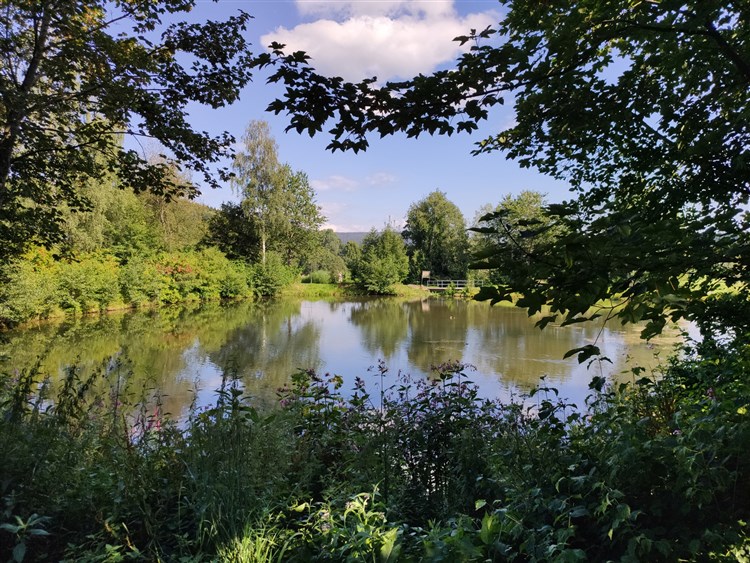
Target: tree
{"points": [[78, 75], [384, 261], [641, 106], [280, 202], [436, 237], [233, 233], [257, 178], [515, 232], [295, 230], [352, 255], [326, 256]]}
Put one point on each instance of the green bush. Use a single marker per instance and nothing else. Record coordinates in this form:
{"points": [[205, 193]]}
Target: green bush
{"points": [[31, 289], [320, 276], [141, 282], [267, 280], [89, 283], [420, 470]]}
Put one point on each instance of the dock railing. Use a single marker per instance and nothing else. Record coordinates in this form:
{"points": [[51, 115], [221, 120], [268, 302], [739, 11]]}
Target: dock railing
{"points": [[439, 285]]}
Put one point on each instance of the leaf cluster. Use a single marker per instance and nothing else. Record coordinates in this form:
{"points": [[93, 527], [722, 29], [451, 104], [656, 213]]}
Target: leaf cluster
{"points": [[641, 107], [79, 76]]}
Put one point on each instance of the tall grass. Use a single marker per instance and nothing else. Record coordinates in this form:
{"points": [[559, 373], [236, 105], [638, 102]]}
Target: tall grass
{"points": [[412, 471]]}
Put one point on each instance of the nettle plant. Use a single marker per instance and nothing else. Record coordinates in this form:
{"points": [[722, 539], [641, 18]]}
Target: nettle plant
{"points": [[424, 442]]}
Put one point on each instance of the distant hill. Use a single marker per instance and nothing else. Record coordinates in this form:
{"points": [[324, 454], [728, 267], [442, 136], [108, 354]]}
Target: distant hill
{"points": [[356, 237]]}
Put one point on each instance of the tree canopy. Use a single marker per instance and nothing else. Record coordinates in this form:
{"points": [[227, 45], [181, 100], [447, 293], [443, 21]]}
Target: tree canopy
{"points": [[642, 107], [511, 234], [79, 76], [435, 234], [383, 262], [279, 202]]}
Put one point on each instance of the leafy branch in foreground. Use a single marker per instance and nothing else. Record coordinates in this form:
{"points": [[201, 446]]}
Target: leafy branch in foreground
{"points": [[642, 108], [79, 76]]}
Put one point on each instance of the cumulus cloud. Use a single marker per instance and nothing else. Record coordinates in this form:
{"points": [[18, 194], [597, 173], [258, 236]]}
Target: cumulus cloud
{"points": [[388, 39], [391, 8]]}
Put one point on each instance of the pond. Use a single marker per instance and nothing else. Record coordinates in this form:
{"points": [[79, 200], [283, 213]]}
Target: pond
{"points": [[182, 354]]}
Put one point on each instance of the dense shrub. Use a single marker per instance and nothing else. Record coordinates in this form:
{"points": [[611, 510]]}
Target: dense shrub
{"points": [[416, 471], [40, 285], [267, 279], [31, 287], [89, 283], [320, 276]]}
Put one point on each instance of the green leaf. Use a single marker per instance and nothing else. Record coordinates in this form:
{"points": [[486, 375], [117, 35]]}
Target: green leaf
{"points": [[390, 549], [584, 352], [19, 552], [544, 321]]}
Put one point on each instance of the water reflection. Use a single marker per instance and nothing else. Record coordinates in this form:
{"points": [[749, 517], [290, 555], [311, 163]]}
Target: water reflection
{"points": [[184, 352], [384, 325]]}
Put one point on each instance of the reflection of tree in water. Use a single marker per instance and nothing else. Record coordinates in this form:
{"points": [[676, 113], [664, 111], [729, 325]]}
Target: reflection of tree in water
{"points": [[272, 344], [153, 346], [438, 332], [264, 343], [384, 324], [512, 346]]}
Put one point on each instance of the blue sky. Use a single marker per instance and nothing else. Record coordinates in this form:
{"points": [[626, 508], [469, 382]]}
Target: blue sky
{"points": [[389, 39]]}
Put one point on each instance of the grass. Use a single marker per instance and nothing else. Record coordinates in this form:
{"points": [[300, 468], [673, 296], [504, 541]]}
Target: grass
{"points": [[337, 291]]}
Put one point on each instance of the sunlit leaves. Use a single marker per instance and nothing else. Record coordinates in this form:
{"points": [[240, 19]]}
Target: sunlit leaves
{"points": [[641, 107], [79, 76]]}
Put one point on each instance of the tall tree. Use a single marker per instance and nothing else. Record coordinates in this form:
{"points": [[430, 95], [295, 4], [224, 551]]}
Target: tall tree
{"points": [[258, 179], [384, 261], [436, 237], [78, 75], [279, 201], [295, 228], [233, 232], [642, 107], [515, 232]]}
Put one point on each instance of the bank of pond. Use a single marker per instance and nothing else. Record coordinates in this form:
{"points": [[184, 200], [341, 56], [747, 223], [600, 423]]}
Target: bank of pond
{"points": [[366, 430]]}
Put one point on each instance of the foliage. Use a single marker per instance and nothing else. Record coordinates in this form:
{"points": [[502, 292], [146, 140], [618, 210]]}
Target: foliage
{"points": [[180, 224], [129, 225], [232, 232], [384, 262], [515, 232], [436, 238], [89, 283], [268, 279], [31, 287], [641, 107], [352, 255], [319, 276], [393, 470], [327, 256], [80, 75], [279, 202], [40, 286]]}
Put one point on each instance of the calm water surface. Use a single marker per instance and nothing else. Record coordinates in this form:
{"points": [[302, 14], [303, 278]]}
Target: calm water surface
{"points": [[183, 353]]}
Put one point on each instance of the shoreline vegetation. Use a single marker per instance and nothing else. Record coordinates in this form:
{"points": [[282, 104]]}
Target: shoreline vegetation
{"points": [[393, 470], [639, 107], [41, 288]]}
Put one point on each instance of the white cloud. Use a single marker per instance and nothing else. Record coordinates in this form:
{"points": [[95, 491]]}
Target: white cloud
{"points": [[391, 8], [380, 179], [388, 39], [335, 183]]}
